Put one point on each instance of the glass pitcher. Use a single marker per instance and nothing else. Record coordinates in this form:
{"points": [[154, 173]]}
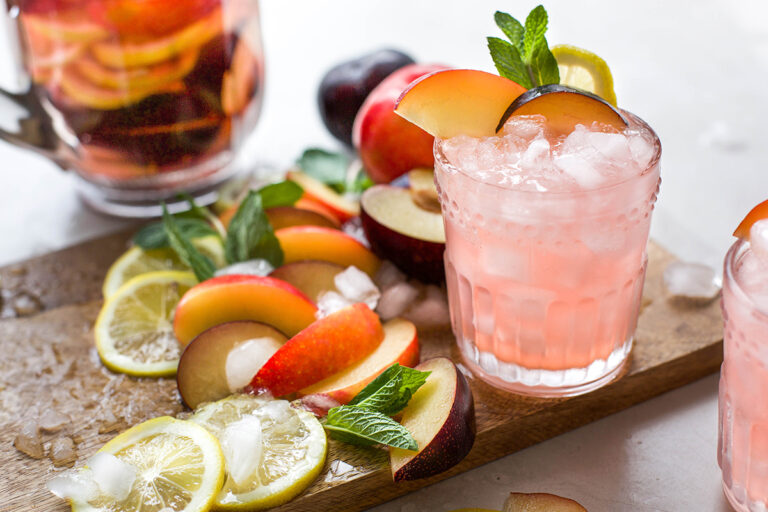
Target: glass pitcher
{"points": [[142, 99]]}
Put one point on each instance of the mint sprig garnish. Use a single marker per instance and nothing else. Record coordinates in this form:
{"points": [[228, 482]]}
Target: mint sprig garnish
{"points": [[153, 236], [200, 264], [366, 419], [250, 234], [525, 58], [284, 193]]}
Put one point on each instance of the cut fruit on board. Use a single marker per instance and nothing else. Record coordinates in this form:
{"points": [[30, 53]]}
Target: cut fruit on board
{"points": [[134, 330]]}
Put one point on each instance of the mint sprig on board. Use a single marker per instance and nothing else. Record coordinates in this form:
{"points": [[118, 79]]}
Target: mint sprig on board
{"points": [[525, 58], [250, 234], [366, 419], [200, 264]]}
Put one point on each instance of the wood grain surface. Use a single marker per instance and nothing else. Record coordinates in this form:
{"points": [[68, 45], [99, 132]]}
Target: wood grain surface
{"points": [[49, 368]]}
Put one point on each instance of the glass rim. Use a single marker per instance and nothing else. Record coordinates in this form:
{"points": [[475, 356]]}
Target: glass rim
{"points": [[729, 272], [653, 163]]}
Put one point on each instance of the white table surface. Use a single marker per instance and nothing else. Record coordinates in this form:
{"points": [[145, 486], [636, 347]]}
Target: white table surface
{"points": [[695, 71]]}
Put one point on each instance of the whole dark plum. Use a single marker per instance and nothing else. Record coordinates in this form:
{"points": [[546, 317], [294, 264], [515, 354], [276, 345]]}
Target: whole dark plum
{"points": [[345, 86]]}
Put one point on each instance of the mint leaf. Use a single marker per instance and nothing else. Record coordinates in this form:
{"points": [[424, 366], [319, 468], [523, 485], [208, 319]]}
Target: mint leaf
{"points": [[391, 391], [153, 236], [250, 235], [360, 183], [508, 62], [198, 212], [535, 28], [285, 193], [325, 166], [362, 426], [200, 264], [544, 64], [526, 59], [511, 28]]}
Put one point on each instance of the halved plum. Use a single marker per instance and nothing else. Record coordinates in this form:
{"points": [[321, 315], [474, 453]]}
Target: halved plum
{"points": [[206, 368], [398, 230], [312, 278], [564, 107]]}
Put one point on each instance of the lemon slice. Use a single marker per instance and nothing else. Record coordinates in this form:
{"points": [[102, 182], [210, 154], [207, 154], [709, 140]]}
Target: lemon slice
{"points": [[584, 70], [293, 450], [136, 261], [178, 464], [134, 330]]}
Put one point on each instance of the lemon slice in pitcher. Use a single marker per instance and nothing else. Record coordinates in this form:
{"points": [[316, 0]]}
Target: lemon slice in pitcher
{"points": [[584, 70], [177, 464], [136, 261], [134, 330], [288, 452]]}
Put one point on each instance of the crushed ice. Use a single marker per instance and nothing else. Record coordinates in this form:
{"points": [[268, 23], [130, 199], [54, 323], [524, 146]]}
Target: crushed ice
{"points": [[241, 443], [113, 476], [256, 267], [523, 156], [245, 360], [691, 280], [758, 240], [354, 286]]}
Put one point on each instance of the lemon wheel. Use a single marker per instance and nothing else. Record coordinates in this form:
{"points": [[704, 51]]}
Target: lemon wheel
{"points": [[136, 261], [178, 464], [134, 330], [293, 450], [585, 70]]}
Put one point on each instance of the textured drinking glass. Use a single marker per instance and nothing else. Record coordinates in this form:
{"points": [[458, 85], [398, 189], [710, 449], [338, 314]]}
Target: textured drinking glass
{"points": [[142, 100], [743, 433], [545, 287]]}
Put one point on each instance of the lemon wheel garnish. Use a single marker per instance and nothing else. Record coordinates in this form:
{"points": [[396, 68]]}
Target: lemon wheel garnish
{"points": [[584, 70], [136, 261], [293, 450], [134, 330], [178, 465]]}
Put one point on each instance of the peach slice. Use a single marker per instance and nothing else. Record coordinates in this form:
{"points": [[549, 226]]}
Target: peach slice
{"points": [[457, 102], [411, 237], [540, 502], [287, 216], [137, 78], [126, 54], [329, 345], [240, 80], [564, 107], [441, 418], [757, 213], [83, 92], [341, 207], [305, 203], [312, 278], [242, 297], [325, 244], [65, 29], [205, 369], [400, 345]]}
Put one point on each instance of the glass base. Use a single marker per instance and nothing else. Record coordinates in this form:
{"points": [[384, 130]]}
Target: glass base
{"points": [[545, 383], [743, 504], [145, 202]]}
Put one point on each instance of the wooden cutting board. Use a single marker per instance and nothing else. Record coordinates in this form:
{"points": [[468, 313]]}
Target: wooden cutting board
{"points": [[49, 367]]}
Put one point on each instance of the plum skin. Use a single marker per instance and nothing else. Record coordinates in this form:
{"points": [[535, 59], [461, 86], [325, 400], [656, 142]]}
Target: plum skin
{"points": [[452, 442], [344, 88]]}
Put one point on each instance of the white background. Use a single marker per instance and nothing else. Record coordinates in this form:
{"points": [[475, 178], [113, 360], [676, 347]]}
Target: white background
{"points": [[696, 71]]}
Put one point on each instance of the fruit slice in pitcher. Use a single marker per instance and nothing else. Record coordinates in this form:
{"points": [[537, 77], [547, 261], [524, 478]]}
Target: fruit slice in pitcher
{"points": [[119, 55], [146, 18], [146, 77]]}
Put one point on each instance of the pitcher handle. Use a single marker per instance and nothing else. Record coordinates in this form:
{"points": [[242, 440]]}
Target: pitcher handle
{"points": [[35, 129]]}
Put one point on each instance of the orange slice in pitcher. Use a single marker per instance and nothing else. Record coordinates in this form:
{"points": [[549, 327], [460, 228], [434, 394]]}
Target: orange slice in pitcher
{"points": [[120, 55], [137, 78], [85, 93]]}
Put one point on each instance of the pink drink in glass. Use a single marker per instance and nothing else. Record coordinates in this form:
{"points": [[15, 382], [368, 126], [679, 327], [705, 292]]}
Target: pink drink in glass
{"points": [[546, 250], [743, 439]]}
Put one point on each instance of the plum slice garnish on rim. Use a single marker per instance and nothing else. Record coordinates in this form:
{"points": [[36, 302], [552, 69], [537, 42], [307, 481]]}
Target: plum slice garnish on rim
{"points": [[564, 107]]}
